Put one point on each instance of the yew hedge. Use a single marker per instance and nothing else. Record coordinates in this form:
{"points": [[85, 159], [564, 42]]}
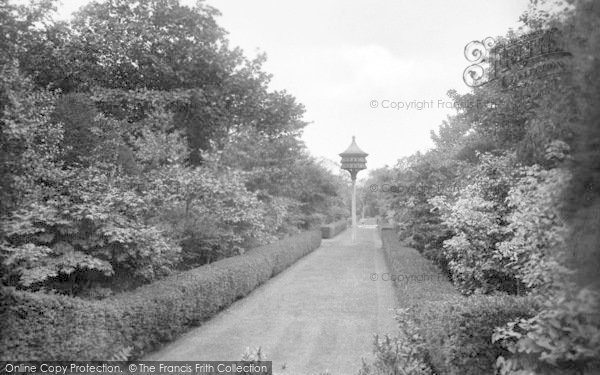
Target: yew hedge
{"points": [[41, 326], [453, 333], [458, 332]]}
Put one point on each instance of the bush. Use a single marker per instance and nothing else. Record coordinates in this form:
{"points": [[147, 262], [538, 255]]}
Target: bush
{"points": [[563, 338], [333, 229], [38, 326], [477, 219], [458, 332], [403, 354], [209, 211]]}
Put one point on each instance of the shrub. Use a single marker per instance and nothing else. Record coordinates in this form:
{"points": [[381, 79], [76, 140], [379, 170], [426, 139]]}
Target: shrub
{"points": [[333, 229], [38, 326], [477, 216], [458, 331], [508, 231], [88, 223], [535, 251], [404, 354], [563, 338], [207, 209]]}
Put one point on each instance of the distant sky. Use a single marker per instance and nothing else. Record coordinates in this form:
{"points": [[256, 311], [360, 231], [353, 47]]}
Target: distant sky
{"points": [[341, 57]]}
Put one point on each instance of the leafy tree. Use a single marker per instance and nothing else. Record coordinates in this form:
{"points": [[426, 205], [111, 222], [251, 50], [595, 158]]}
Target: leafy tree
{"points": [[281, 167], [477, 219], [136, 141], [151, 49], [563, 336], [418, 179], [536, 249], [61, 221]]}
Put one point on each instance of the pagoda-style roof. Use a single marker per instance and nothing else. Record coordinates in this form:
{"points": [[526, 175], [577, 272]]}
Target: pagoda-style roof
{"points": [[353, 150]]}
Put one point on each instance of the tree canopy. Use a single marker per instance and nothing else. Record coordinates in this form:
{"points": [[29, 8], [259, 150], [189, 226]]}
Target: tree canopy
{"points": [[136, 141]]}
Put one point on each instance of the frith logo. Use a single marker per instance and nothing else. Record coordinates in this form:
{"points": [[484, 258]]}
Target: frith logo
{"points": [[537, 53]]}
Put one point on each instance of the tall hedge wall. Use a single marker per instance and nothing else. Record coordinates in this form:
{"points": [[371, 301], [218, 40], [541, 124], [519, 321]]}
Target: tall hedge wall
{"points": [[40, 326]]}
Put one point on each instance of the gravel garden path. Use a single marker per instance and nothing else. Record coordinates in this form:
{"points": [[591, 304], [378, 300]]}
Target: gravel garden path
{"points": [[320, 314]]}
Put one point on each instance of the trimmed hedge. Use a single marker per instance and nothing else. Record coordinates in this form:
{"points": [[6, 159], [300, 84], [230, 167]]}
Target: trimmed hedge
{"points": [[456, 330], [417, 279], [333, 229], [41, 326]]}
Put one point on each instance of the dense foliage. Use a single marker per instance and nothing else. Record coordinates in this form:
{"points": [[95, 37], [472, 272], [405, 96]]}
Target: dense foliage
{"points": [[403, 354], [37, 325], [440, 331], [136, 142], [507, 200]]}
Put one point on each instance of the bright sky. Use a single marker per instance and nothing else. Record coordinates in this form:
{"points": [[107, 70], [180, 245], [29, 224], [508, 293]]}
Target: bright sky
{"points": [[341, 58]]}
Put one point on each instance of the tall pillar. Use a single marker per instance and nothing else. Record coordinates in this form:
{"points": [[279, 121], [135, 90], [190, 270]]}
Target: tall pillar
{"points": [[354, 160], [353, 209]]}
